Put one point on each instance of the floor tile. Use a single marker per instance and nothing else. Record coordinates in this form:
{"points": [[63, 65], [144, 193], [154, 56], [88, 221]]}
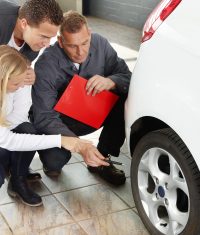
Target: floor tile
{"points": [[124, 149], [77, 157], [126, 36], [135, 210], [4, 229], [73, 160], [127, 163], [36, 164], [90, 201], [4, 197], [124, 192], [72, 176], [71, 229], [119, 223], [25, 220], [129, 55]]}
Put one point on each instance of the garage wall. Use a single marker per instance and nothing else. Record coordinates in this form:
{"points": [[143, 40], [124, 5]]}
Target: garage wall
{"points": [[64, 4], [132, 13], [128, 12], [16, 1]]}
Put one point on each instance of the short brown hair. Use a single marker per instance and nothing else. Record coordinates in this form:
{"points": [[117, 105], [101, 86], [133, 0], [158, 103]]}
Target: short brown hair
{"points": [[72, 22], [39, 11]]}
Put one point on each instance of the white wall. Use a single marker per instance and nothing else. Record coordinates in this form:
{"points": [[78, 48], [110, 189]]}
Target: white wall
{"points": [[71, 5]]}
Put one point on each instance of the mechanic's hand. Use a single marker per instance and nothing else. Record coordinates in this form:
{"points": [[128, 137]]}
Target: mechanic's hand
{"points": [[30, 76], [97, 84]]}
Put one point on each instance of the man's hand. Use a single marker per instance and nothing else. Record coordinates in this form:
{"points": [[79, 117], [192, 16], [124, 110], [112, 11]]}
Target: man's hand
{"points": [[97, 84], [89, 152], [30, 77]]}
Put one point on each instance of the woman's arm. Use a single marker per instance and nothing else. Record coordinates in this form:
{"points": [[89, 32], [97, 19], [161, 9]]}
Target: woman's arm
{"points": [[27, 142]]}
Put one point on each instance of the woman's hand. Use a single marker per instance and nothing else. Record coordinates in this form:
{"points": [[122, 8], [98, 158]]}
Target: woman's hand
{"points": [[92, 156], [89, 152], [73, 144]]}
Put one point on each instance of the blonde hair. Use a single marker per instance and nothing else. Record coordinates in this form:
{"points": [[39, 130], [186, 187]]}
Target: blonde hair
{"points": [[12, 63]]}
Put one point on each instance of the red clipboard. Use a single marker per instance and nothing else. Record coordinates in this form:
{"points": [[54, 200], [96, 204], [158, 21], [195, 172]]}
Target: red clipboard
{"points": [[91, 110]]}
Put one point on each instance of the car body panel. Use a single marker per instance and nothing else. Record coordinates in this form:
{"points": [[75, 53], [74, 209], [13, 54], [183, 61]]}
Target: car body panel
{"points": [[166, 79]]}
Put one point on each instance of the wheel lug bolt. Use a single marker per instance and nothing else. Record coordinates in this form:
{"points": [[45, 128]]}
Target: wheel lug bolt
{"points": [[166, 202], [157, 181]]}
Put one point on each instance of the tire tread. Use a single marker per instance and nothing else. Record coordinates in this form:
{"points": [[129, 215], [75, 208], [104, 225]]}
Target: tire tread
{"points": [[173, 137]]}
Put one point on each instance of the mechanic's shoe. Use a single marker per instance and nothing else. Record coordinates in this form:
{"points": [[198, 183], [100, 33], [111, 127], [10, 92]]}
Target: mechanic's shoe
{"points": [[109, 173], [33, 176], [18, 187], [51, 173]]}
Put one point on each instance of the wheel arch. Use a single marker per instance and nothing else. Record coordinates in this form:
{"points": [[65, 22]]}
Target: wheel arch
{"points": [[143, 126]]}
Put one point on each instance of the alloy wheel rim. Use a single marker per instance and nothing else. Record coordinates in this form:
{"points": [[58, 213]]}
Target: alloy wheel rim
{"points": [[163, 191]]}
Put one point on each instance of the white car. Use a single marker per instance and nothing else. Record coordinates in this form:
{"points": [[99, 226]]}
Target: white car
{"points": [[162, 115]]}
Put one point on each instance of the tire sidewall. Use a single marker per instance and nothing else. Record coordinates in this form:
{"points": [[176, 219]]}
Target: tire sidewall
{"points": [[159, 140]]}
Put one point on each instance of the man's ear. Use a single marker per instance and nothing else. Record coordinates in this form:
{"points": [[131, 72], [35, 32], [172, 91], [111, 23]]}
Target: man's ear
{"points": [[23, 23], [59, 39], [89, 31]]}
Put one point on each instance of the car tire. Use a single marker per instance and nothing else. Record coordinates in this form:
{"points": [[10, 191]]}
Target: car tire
{"points": [[165, 183]]}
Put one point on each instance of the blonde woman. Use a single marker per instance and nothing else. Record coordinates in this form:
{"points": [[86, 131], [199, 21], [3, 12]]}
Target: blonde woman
{"points": [[18, 139]]}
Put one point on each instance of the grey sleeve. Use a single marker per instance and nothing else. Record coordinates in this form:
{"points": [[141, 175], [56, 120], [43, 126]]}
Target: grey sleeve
{"points": [[44, 96], [116, 69]]}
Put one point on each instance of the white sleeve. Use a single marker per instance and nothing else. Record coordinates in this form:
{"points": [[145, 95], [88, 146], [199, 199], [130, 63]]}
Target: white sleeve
{"points": [[27, 142], [21, 105]]}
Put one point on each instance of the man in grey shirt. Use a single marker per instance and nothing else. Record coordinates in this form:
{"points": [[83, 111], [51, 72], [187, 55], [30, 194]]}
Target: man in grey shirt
{"points": [[78, 51]]}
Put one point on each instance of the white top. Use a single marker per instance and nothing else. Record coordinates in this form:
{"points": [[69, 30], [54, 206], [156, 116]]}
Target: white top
{"points": [[18, 105], [12, 43], [77, 66]]}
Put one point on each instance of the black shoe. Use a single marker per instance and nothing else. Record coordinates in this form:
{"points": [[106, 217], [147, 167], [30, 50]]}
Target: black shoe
{"points": [[51, 173], [109, 173], [18, 187], [33, 176]]}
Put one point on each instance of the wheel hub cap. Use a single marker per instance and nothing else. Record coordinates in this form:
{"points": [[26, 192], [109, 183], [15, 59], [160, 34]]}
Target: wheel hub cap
{"points": [[161, 191]]}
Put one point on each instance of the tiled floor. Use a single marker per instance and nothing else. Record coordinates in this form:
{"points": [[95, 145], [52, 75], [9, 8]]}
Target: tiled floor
{"points": [[77, 202]]}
